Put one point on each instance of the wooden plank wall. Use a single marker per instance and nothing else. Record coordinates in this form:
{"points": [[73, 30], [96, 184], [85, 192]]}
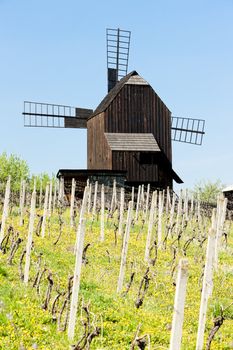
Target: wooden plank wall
{"points": [[142, 173], [137, 109], [130, 161], [99, 155]]}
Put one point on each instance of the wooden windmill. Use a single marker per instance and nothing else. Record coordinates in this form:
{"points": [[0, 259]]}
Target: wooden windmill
{"points": [[130, 133]]}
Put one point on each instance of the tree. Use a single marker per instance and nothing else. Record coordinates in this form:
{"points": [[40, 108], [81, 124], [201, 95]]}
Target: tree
{"points": [[41, 179], [14, 166], [207, 191]]}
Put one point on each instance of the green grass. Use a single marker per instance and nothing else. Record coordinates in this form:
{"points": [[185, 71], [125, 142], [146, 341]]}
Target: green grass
{"points": [[23, 322]]}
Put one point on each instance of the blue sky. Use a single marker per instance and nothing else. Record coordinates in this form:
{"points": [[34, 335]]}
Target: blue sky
{"points": [[55, 51]]}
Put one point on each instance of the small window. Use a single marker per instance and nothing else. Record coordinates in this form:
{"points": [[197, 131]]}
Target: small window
{"points": [[147, 158]]}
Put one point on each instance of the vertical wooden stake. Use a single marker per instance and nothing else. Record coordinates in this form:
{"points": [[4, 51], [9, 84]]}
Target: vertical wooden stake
{"points": [[124, 249], [114, 199], [45, 211], [34, 186], [199, 210], [55, 196], [81, 216], [40, 197], [138, 202], [102, 214], [186, 208], [76, 281], [22, 201], [191, 207], [89, 198], [168, 200], [95, 199], [142, 197], [122, 204], [163, 197], [5, 208], [160, 217], [221, 215], [50, 198], [147, 201], [30, 234], [172, 213], [207, 283], [61, 191], [179, 210], [72, 199], [178, 313], [150, 226], [132, 196]]}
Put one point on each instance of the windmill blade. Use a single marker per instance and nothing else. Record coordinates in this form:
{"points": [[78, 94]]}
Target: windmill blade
{"points": [[118, 42], [188, 130], [37, 114]]}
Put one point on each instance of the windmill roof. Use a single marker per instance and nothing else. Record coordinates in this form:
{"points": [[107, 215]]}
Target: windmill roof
{"points": [[132, 142], [228, 189], [132, 78]]}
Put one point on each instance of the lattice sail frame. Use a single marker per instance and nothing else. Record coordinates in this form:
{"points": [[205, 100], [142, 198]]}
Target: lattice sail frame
{"points": [[188, 130], [47, 115], [118, 44]]}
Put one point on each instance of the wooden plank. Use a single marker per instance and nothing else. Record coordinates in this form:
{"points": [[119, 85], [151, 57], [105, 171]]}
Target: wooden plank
{"points": [[76, 123], [83, 113]]}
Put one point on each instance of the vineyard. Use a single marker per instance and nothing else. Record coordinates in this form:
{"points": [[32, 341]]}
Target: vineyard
{"points": [[115, 270]]}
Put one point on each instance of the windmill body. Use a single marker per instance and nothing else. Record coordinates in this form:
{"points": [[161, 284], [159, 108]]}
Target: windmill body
{"points": [[130, 133], [131, 130]]}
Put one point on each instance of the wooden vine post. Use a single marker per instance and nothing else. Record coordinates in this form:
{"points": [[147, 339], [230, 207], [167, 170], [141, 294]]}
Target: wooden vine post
{"points": [[114, 197], [138, 203], [132, 196], [95, 199], [178, 313], [45, 212], [207, 283], [81, 216], [61, 191], [40, 196], [50, 198], [150, 226], [5, 208], [179, 212], [22, 201], [221, 215], [77, 269], [168, 200], [191, 207], [89, 199], [102, 214], [72, 199], [160, 217], [199, 209], [147, 201], [172, 214], [122, 203], [30, 234], [142, 200], [55, 196], [186, 206], [125, 248]]}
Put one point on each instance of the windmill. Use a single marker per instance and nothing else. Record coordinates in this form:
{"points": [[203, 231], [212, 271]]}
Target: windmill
{"points": [[129, 134]]}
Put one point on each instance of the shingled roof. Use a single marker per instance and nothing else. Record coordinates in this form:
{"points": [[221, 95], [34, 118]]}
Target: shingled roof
{"points": [[132, 142]]}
